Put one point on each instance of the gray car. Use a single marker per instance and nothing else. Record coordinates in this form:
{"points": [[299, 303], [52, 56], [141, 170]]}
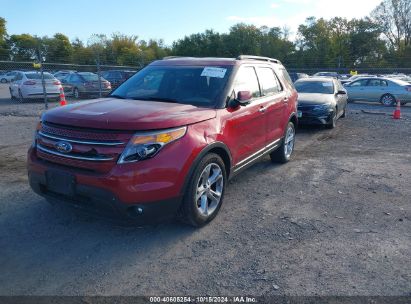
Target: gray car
{"points": [[321, 100], [380, 89], [80, 84]]}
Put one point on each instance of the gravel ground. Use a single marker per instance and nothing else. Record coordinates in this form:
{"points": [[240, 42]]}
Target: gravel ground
{"points": [[333, 221]]}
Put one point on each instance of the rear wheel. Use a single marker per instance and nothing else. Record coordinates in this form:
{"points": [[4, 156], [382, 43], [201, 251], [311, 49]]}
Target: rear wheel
{"points": [[11, 95], [204, 195], [388, 100], [21, 98], [284, 152], [3, 80]]}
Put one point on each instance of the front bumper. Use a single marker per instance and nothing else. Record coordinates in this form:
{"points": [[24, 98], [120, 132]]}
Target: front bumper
{"points": [[310, 117], [103, 202]]}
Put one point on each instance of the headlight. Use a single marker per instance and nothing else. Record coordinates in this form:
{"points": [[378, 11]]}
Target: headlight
{"points": [[38, 127], [144, 145]]}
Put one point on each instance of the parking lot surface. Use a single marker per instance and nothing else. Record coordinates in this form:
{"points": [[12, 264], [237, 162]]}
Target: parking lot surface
{"points": [[333, 221]]}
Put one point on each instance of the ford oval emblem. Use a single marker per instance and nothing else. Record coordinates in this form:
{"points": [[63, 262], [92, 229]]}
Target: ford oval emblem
{"points": [[63, 147]]}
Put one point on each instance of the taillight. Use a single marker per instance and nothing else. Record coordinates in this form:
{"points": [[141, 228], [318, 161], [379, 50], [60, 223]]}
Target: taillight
{"points": [[57, 82], [29, 82]]}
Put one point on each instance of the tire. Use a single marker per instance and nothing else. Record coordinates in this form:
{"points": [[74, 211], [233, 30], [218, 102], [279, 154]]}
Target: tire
{"points": [[388, 100], [76, 93], [12, 96], [201, 203], [3, 80], [333, 122], [403, 103], [344, 114], [21, 98], [284, 152]]}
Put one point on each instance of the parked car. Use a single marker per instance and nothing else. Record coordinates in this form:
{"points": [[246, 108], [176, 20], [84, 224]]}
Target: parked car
{"points": [[295, 76], [321, 101], [60, 75], [28, 85], [379, 89], [167, 140], [326, 74], [355, 77], [81, 84], [117, 77], [7, 77]]}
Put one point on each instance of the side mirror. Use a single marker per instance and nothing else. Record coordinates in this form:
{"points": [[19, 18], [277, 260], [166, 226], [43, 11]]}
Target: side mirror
{"points": [[244, 97], [341, 92]]}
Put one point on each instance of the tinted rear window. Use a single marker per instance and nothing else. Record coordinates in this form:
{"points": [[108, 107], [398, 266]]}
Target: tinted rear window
{"points": [[89, 76], [38, 75]]}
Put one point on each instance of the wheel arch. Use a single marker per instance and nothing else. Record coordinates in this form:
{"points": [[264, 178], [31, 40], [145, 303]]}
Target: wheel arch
{"points": [[218, 148]]}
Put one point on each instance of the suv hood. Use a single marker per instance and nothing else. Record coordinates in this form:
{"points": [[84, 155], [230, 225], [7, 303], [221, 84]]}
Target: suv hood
{"points": [[125, 114]]}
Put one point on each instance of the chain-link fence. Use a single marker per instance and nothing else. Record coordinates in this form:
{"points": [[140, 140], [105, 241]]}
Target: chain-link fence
{"points": [[81, 81], [77, 81]]}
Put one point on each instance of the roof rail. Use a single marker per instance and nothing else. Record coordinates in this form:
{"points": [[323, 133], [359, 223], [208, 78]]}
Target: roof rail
{"points": [[250, 57]]}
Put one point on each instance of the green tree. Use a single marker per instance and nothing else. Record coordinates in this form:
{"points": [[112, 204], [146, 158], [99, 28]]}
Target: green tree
{"points": [[59, 48], [4, 50], [23, 47]]}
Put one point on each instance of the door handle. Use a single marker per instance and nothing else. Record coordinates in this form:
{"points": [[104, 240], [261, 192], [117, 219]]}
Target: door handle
{"points": [[262, 109]]}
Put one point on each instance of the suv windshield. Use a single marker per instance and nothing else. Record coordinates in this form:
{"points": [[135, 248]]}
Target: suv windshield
{"points": [[322, 87], [196, 85]]}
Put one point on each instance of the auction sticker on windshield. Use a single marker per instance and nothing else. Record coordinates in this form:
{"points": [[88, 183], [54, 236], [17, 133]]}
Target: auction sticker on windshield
{"points": [[214, 72]]}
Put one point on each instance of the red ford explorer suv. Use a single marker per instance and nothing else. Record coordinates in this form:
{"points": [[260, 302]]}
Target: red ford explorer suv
{"points": [[167, 140]]}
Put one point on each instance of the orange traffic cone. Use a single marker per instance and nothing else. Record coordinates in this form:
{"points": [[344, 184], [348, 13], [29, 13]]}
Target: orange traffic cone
{"points": [[63, 101], [397, 111]]}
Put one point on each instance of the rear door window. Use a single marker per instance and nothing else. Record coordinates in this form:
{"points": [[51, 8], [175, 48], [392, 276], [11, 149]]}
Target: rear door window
{"points": [[246, 80], [268, 81]]}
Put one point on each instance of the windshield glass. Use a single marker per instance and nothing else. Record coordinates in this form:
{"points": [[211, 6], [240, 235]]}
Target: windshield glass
{"points": [[89, 76], [36, 75], [323, 87], [196, 85]]}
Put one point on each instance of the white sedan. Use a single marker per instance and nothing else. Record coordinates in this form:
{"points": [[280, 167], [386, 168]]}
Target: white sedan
{"points": [[28, 85]]}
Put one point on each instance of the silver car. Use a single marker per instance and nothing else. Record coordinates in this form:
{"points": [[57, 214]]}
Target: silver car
{"points": [[379, 89]]}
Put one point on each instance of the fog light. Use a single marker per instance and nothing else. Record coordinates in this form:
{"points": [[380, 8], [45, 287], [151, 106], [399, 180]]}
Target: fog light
{"points": [[135, 211]]}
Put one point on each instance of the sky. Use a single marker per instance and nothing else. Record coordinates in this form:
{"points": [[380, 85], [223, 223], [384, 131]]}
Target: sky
{"points": [[167, 20]]}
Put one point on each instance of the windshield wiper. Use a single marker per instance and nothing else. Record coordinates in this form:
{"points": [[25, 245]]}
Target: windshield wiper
{"points": [[157, 99]]}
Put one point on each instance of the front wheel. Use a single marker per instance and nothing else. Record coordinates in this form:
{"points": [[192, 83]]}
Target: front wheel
{"points": [[284, 152], [333, 123], [204, 195], [3, 80], [344, 114], [76, 93]]}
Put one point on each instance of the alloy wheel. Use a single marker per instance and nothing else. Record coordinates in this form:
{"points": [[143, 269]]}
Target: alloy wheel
{"points": [[289, 141], [209, 189]]}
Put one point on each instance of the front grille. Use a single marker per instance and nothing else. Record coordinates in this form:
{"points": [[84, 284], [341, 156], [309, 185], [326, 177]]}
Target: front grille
{"points": [[96, 150]]}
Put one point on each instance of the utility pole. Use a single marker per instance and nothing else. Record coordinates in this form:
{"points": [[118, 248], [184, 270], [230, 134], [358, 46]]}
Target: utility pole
{"points": [[99, 75], [43, 83]]}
